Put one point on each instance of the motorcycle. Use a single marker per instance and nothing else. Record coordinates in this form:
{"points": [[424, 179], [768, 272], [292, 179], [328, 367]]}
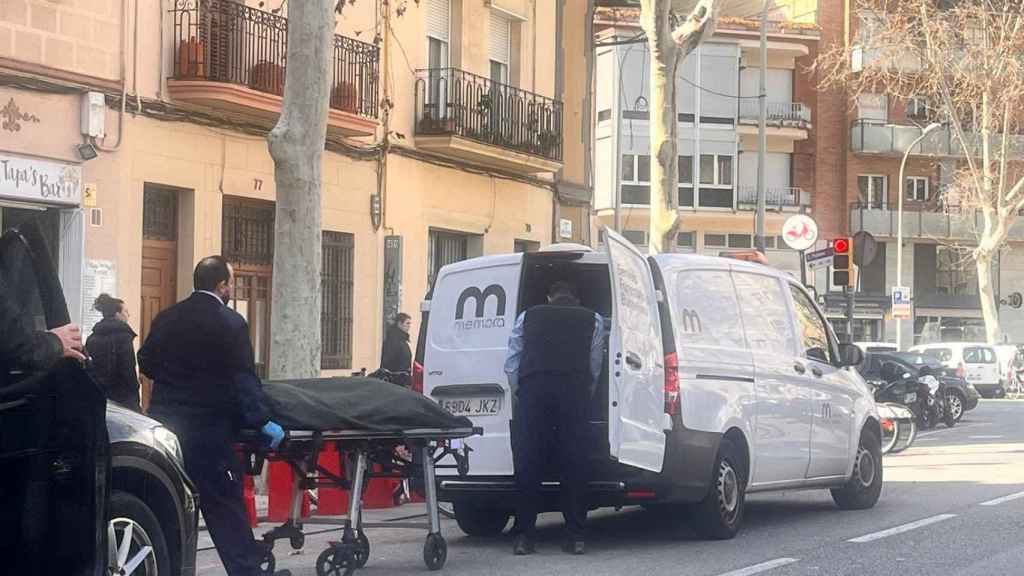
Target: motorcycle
{"points": [[920, 394]]}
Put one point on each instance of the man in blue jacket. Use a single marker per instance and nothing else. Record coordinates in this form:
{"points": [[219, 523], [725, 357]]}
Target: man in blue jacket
{"points": [[200, 358]]}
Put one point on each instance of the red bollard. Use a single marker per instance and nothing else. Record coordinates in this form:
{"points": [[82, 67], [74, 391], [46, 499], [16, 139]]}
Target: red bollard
{"points": [[380, 492], [250, 501], [332, 501], [279, 484]]}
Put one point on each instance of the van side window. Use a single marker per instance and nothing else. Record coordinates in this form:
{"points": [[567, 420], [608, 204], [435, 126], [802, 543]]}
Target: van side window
{"points": [[765, 314], [811, 328], [706, 310]]}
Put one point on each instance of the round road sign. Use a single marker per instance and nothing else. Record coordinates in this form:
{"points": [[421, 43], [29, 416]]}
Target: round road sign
{"points": [[800, 232]]}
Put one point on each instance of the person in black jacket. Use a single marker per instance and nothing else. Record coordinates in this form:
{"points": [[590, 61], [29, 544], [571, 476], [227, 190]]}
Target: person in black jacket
{"points": [[23, 348], [200, 357], [113, 353], [395, 355]]}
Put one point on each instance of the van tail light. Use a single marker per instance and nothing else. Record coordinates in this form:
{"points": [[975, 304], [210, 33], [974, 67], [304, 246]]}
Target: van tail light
{"points": [[417, 377], [672, 384], [961, 372]]}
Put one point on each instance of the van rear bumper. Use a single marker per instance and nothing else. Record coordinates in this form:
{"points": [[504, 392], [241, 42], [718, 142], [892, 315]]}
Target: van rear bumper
{"points": [[685, 477]]}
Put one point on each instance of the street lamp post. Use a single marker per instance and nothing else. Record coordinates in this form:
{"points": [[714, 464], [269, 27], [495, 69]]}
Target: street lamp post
{"points": [[899, 223]]}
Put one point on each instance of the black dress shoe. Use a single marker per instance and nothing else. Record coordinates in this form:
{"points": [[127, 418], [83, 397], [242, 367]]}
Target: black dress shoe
{"points": [[523, 546], [575, 547]]}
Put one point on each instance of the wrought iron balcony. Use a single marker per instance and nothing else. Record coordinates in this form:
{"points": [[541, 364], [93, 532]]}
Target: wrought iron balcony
{"points": [[789, 114], [229, 53], [872, 137], [777, 198], [461, 114]]}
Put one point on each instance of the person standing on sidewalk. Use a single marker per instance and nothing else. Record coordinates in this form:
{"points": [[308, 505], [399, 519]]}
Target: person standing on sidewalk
{"points": [[111, 347], [554, 362], [396, 355], [200, 358]]}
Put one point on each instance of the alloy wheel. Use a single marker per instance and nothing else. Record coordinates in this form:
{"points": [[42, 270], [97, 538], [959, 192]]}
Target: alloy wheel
{"points": [[955, 405], [130, 549]]}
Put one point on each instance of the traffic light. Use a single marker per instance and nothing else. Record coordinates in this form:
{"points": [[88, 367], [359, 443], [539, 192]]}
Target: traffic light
{"points": [[842, 262]]}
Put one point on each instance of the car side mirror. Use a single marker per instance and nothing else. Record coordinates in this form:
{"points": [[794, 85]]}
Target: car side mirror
{"points": [[850, 355]]}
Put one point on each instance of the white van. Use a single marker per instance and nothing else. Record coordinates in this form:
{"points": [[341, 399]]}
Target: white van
{"points": [[722, 378], [978, 363]]}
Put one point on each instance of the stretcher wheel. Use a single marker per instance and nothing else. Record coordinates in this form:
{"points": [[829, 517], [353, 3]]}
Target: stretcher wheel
{"points": [[435, 551], [363, 550], [336, 562], [297, 541], [268, 563]]}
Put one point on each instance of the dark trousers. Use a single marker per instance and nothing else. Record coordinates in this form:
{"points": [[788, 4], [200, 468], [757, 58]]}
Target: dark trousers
{"points": [[214, 466], [551, 420]]}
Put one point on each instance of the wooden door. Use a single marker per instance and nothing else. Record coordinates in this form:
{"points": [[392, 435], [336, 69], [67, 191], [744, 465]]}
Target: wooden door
{"points": [[159, 262]]}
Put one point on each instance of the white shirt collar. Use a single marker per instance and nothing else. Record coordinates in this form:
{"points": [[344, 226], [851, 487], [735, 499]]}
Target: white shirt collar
{"points": [[210, 293]]}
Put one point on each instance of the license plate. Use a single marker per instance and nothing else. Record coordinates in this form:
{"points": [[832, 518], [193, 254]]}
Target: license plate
{"points": [[472, 406], [912, 397]]}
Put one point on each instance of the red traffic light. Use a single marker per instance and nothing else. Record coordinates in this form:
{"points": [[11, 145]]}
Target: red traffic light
{"points": [[841, 245]]}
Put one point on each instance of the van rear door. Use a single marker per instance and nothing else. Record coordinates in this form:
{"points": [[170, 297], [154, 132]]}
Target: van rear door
{"points": [[636, 396], [472, 313]]}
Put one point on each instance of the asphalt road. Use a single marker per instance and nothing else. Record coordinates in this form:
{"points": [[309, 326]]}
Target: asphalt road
{"points": [[952, 505]]}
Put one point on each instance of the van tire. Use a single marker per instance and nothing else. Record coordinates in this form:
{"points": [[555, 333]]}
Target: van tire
{"points": [[719, 515], [864, 487], [481, 521]]}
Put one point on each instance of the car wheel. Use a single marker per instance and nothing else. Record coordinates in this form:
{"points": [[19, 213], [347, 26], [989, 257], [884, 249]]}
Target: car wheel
{"points": [[865, 486], [136, 543], [483, 521], [719, 515], [955, 404]]}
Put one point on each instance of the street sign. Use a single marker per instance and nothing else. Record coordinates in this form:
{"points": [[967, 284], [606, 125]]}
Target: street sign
{"points": [[800, 232], [901, 307], [820, 258], [865, 248]]}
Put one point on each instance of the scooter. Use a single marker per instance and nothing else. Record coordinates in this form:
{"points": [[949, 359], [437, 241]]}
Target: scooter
{"points": [[920, 394]]}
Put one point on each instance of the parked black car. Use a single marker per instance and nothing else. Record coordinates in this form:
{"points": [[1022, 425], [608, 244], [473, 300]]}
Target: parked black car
{"points": [[961, 396], [87, 484]]}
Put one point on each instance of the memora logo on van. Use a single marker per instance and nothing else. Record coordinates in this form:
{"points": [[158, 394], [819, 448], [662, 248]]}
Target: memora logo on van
{"points": [[479, 298]]}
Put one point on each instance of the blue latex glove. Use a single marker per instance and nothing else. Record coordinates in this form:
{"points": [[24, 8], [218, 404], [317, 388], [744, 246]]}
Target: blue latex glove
{"points": [[275, 432]]}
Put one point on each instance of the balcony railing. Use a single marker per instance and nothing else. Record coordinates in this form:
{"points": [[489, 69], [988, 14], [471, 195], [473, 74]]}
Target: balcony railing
{"points": [[452, 102], [776, 197], [947, 223], [784, 113], [870, 137], [223, 41]]}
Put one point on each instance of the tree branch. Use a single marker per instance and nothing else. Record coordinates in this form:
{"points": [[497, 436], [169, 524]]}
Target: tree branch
{"points": [[697, 27]]}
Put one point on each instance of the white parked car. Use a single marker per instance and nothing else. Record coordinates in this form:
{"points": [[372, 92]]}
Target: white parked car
{"points": [[722, 378], [977, 363]]}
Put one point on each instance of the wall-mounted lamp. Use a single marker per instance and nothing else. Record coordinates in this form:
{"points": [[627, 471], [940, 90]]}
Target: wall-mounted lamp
{"points": [[87, 151]]}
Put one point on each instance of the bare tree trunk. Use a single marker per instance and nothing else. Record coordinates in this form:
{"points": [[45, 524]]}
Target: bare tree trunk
{"points": [[296, 145], [667, 46], [989, 306]]}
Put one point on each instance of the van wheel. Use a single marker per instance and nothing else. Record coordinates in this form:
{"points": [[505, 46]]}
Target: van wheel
{"points": [[719, 515], [865, 486], [136, 540], [483, 521]]}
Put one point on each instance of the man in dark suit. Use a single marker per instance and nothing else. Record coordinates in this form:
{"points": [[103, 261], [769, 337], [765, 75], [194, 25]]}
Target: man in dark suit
{"points": [[200, 358]]}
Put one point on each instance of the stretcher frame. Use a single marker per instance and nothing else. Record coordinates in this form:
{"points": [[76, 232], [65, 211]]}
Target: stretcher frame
{"points": [[300, 449]]}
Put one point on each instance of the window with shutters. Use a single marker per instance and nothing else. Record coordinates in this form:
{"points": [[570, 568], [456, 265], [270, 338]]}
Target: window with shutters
{"points": [[338, 285], [247, 236], [439, 26], [500, 46]]}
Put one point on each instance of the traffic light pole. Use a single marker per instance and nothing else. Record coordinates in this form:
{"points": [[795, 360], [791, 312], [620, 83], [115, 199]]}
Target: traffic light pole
{"points": [[849, 312]]}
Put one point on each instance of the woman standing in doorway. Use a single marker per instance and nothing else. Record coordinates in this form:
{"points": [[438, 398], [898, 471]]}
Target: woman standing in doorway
{"points": [[396, 356], [113, 353]]}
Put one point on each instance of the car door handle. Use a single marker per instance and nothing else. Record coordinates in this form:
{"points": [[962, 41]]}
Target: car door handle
{"points": [[799, 368], [633, 361]]}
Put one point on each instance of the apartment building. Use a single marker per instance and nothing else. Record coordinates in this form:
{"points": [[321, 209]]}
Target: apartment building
{"points": [[874, 131], [717, 108], [136, 131]]}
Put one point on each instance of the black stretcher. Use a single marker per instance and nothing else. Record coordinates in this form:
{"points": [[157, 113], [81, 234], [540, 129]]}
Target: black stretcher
{"points": [[431, 448]]}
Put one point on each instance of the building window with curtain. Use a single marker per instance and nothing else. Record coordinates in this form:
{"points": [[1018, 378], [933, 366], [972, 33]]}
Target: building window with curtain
{"points": [[500, 47], [873, 190], [338, 286]]}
